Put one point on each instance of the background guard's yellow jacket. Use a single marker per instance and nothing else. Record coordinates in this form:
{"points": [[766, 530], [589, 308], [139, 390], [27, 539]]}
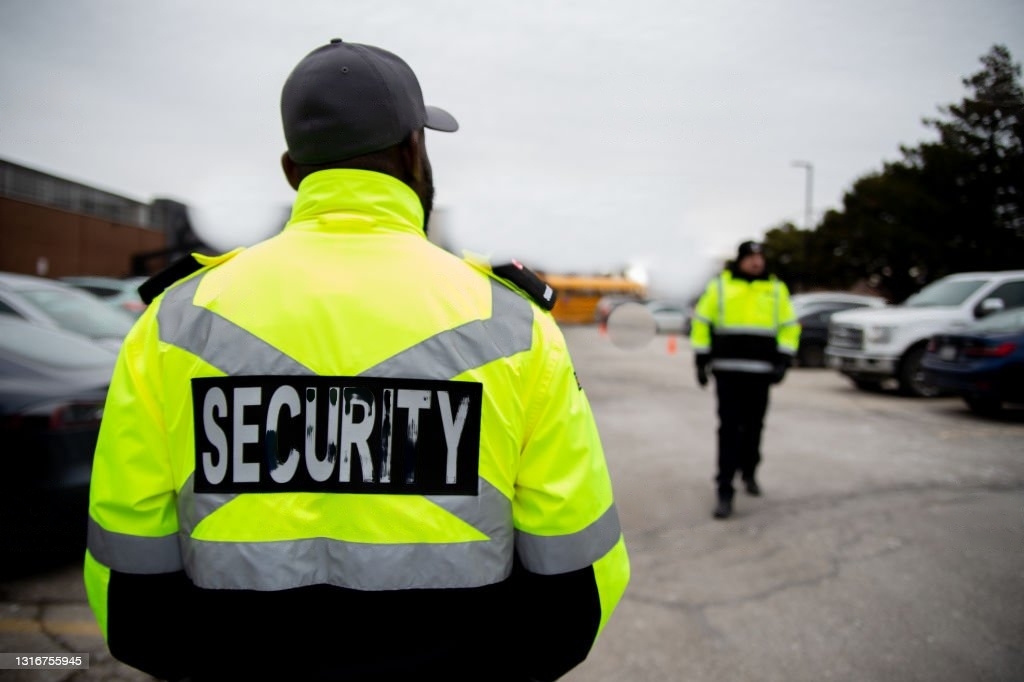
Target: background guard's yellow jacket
{"points": [[745, 325], [344, 453]]}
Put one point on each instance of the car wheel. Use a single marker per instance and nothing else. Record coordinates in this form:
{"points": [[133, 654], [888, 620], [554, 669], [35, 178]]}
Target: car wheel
{"points": [[811, 355], [983, 405], [912, 376]]}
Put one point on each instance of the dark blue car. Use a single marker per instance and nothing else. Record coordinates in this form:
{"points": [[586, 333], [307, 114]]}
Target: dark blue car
{"points": [[53, 386], [984, 362]]}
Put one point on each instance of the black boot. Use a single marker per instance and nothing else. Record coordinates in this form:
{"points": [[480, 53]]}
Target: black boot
{"points": [[752, 487], [723, 509]]}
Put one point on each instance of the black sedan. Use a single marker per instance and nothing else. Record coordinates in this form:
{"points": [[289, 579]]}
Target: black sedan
{"points": [[813, 311], [983, 363], [53, 385]]}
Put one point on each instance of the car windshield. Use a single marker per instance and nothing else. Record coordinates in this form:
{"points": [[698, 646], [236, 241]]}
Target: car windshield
{"points": [[53, 348], [1008, 321], [944, 293], [80, 312], [801, 308]]}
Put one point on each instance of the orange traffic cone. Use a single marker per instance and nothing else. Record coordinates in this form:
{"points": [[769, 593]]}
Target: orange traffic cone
{"points": [[603, 328], [672, 347]]}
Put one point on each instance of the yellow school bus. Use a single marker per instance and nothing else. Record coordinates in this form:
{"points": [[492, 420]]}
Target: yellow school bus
{"points": [[578, 295]]}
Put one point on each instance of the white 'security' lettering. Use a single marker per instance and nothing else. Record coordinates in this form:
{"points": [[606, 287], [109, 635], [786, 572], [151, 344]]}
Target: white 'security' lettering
{"points": [[270, 434]]}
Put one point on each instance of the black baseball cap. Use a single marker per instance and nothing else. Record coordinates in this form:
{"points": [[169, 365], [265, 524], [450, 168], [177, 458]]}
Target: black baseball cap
{"points": [[748, 249], [346, 99]]}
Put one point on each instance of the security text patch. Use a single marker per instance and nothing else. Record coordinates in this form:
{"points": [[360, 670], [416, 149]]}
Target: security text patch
{"points": [[336, 434]]}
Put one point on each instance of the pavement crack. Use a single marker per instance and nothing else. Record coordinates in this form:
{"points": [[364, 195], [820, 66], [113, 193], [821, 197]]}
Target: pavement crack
{"points": [[686, 606], [639, 539]]}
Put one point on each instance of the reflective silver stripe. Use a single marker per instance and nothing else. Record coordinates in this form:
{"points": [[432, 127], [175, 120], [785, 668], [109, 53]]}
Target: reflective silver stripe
{"points": [[230, 565], [775, 295], [745, 331], [216, 340], [286, 564], [297, 563], [282, 565], [507, 332], [701, 349], [549, 555], [721, 298], [752, 366], [786, 350], [133, 553], [791, 323], [701, 318], [235, 351], [193, 507], [489, 512]]}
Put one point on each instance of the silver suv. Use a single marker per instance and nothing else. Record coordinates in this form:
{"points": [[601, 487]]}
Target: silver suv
{"points": [[871, 345]]}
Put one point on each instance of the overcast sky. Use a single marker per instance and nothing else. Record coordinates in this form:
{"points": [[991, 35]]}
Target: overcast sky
{"points": [[593, 134]]}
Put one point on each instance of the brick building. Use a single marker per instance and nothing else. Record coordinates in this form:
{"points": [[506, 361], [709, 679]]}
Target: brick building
{"points": [[55, 227]]}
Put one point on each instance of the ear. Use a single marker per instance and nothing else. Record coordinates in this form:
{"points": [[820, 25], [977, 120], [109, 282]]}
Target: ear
{"points": [[291, 171], [414, 155]]}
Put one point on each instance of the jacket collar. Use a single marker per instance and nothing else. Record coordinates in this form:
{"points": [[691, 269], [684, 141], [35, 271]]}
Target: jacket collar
{"points": [[733, 273], [343, 200]]}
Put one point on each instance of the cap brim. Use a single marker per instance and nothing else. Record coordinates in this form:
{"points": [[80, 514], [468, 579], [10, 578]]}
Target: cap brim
{"points": [[439, 119]]}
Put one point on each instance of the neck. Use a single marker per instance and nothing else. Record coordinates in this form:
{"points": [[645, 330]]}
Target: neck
{"points": [[739, 274]]}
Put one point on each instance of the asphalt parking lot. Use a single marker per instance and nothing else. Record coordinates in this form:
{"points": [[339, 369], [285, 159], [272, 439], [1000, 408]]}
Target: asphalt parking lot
{"points": [[888, 545]]}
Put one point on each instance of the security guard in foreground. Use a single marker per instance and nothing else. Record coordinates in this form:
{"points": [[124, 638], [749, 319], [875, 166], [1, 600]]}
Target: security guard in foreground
{"points": [[343, 453], [745, 332]]}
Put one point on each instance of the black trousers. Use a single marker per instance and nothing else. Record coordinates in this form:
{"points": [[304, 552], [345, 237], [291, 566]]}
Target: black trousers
{"points": [[742, 404]]}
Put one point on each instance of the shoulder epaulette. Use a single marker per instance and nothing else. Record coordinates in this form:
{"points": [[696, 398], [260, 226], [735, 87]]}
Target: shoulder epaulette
{"points": [[542, 293], [158, 283]]}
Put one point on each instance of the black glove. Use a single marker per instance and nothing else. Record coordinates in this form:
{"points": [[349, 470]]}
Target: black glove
{"points": [[702, 370], [779, 372]]}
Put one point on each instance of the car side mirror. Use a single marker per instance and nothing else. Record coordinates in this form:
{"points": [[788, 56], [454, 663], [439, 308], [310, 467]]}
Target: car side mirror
{"points": [[989, 306]]}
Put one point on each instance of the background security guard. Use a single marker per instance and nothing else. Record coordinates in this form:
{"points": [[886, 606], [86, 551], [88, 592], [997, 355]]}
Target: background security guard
{"points": [[744, 330], [344, 453]]}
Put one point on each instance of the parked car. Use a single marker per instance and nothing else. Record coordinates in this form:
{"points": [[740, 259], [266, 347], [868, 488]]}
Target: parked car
{"points": [[607, 304], [121, 293], [58, 305], [984, 363], [812, 298], [53, 386], [872, 345], [814, 310], [669, 317]]}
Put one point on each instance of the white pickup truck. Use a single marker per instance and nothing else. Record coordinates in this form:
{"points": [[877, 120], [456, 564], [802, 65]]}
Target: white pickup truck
{"points": [[871, 345]]}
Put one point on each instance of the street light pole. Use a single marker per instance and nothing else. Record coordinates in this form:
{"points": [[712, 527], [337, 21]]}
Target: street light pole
{"points": [[808, 209]]}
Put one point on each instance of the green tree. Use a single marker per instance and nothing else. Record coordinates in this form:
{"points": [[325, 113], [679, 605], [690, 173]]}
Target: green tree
{"points": [[786, 251], [950, 205], [978, 164]]}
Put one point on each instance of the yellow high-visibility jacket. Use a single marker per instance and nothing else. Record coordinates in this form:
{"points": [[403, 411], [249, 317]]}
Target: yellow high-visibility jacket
{"points": [[742, 325], [346, 422]]}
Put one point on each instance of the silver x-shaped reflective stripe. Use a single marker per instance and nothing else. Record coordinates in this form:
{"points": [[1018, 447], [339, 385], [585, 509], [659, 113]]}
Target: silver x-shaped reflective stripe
{"points": [[235, 351], [442, 357]]}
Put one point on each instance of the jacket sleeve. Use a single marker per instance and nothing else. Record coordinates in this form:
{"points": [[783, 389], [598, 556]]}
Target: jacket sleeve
{"points": [[133, 569], [571, 562], [704, 317], [788, 339]]}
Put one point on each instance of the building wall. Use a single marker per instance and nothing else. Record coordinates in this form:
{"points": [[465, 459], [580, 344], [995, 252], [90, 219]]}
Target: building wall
{"points": [[40, 240]]}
